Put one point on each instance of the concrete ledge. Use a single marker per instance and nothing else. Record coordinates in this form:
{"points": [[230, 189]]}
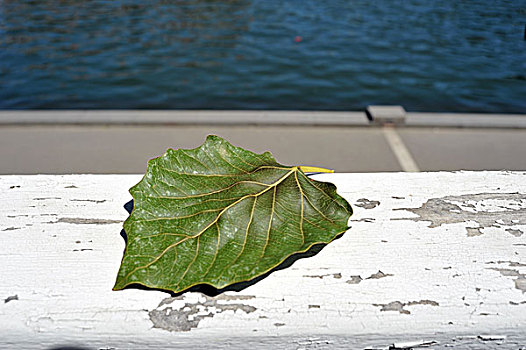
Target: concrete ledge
{"points": [[466, 120], [248, 117], [181, 117]]}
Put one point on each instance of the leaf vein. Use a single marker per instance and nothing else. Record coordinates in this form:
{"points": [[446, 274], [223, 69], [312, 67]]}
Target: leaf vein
{"points": [[244, 239], [195, 159], [214, 221], [301, 210], [319, 189]]}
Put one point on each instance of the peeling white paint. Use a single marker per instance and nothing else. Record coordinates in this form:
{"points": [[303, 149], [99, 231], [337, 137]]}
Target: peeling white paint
{"points": [[63, 256]]}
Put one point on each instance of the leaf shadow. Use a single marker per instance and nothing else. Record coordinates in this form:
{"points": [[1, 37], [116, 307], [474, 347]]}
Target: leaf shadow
{"points": [[211, 291]]}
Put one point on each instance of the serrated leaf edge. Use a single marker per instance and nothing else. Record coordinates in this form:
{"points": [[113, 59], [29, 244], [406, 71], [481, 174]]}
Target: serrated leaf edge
{"points": [[292, 170]]}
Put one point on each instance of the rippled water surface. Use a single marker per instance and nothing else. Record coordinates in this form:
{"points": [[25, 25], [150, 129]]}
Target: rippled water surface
{"points": [[451, 55]]}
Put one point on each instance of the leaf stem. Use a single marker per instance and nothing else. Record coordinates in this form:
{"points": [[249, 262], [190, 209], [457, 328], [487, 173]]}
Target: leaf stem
{"points": [[313, 169]]}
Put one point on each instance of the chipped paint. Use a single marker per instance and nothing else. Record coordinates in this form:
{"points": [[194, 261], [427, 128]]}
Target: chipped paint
{"points": [[333, 275], [412, 344], [364, 220], [509, 262], [473, 231], [88, 200], [354, 280], [85, 221], [393, 306], [378, 275], [11, 228], [515, 232], [400, 307], [520, 280], [491, 337], [367, 203], [11, 298], [313, 343], [486, 209], [190, 314]]}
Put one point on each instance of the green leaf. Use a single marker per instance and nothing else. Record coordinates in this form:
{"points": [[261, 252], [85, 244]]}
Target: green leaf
{"points": [[219, 214]]}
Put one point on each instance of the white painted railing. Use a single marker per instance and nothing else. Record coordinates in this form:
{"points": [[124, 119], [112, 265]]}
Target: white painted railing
{"points": [[430, 257]]}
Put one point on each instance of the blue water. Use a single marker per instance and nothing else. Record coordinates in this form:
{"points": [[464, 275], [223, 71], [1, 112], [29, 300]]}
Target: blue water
{"points": [[450, 55]]}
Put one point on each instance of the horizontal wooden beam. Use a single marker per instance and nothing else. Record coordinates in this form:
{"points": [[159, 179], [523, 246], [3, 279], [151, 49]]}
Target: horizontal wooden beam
{"points": [[430, 258]]}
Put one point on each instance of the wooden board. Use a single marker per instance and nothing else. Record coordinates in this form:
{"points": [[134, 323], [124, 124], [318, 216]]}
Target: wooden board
{"points": [[430, 257]]}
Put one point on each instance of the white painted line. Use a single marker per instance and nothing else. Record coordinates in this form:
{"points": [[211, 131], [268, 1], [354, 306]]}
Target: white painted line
{"points": [[399, 149]]}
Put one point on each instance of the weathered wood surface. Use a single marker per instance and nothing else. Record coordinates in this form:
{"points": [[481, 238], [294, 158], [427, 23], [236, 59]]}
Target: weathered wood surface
{"points": [[432, 256]]}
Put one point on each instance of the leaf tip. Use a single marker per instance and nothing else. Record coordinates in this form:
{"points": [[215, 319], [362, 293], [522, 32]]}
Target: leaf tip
{"points": [[119, 284], [213, 138]]}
